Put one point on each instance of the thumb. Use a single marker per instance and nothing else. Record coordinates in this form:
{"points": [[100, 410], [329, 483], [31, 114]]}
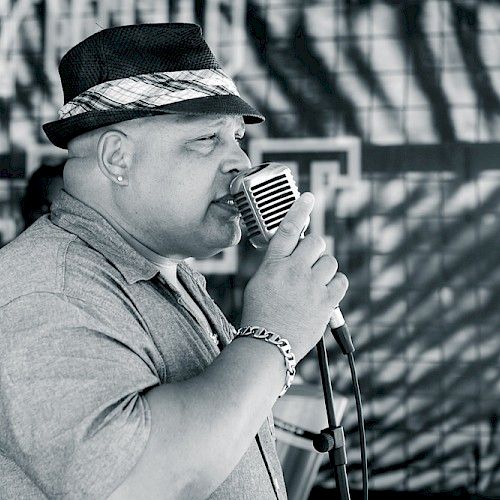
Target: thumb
{"points": [[287, 236]]}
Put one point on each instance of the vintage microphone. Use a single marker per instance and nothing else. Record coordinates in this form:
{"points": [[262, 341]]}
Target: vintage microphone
{"points": [[263, 196]]}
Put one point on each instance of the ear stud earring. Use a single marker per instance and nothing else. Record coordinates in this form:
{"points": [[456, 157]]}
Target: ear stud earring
{"points": [[119, 178]]}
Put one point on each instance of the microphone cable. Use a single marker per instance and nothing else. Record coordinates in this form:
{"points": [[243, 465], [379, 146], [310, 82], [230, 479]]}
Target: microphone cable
{"points": [[342, 336], [361, 423]]}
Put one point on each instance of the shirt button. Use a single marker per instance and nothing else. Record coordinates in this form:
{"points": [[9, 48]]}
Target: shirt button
{"points": [[180, 301]]}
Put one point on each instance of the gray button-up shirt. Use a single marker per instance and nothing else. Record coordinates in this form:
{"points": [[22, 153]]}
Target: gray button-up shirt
{"points": [[87, 324]]}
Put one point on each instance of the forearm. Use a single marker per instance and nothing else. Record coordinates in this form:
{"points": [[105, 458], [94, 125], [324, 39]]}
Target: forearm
{"points": [[202, 427]]}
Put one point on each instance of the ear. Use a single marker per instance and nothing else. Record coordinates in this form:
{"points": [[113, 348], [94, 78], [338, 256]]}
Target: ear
{"points": [[114, 156]]}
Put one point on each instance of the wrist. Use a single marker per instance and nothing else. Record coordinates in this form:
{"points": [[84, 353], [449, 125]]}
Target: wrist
{"points": [[281, 344]]}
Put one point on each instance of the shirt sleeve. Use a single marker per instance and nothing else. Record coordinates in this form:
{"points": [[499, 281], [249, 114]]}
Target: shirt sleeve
{"points": [[72, 410]]}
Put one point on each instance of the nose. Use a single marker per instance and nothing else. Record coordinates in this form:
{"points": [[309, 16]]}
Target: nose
{"points": [[236, 159]]}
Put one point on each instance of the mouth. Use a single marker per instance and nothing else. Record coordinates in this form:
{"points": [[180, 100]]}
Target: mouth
{"points": [[227, 203]]}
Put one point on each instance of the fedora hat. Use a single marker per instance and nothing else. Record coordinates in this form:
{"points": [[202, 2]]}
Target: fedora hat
{"points": [[129, 72]]}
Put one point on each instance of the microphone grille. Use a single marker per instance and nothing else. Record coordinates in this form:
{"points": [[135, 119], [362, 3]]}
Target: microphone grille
{"points": [[273, 198], [263, 196], [246, 214]]}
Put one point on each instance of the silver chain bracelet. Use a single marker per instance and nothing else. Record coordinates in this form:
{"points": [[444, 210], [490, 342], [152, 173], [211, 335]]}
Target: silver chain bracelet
{"points": [[282, 344]]}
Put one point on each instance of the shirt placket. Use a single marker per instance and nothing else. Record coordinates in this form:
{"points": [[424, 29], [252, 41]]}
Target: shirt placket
{"points": [[205, 303], [212, 334]]}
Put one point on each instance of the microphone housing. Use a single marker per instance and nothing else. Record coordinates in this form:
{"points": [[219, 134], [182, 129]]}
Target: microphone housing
{"points": [[263, 195]]}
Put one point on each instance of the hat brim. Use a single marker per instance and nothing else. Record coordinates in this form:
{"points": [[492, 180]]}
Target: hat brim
{"points": [[60, 132]]}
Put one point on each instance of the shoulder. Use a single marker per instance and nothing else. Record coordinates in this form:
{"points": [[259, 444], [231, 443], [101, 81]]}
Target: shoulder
{"points": [[34, 261], [59, 293], [48, 259]]}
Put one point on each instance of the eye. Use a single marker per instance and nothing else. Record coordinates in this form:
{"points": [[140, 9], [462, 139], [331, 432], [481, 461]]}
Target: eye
{"points": [[210, 137]]}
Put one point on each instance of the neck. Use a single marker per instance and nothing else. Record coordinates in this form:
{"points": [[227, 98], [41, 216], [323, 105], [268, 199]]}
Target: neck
{"points": [[151, 255], [142, 248], [136, 244]]}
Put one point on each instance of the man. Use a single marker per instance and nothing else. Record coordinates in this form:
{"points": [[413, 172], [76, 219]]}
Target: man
{"points": [[119, 376]]}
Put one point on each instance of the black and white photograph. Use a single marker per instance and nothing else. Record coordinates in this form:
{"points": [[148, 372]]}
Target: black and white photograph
{"points": [[249, 249]]}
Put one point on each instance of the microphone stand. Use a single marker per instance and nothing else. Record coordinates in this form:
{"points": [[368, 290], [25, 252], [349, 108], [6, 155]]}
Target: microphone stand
{"points": [[332, 439]]}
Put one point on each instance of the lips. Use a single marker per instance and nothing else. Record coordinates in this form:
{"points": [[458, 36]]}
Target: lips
{"points": [[225, 199], [227, 202]]}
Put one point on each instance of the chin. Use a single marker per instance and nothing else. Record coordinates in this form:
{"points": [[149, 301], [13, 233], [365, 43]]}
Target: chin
{"points": [[211, 248]]}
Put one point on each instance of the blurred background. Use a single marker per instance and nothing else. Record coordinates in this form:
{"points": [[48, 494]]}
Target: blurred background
{"points": [[389, 111]]}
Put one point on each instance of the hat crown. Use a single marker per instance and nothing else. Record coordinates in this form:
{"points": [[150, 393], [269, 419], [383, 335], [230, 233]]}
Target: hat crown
{"points": [[125, 51]]}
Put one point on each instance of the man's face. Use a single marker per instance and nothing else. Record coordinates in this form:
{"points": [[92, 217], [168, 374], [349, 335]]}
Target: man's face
{"points": [[176, 200]]}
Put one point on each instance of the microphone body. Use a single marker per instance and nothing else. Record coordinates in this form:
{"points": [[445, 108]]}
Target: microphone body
{"points": [[263, 196]]}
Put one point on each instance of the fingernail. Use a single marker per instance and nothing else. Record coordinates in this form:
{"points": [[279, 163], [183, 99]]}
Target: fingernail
{"points": [[308, 198]]}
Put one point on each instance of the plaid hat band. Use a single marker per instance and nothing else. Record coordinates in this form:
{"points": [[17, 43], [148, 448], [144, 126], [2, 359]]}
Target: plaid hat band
{"points": [[150, 91]]}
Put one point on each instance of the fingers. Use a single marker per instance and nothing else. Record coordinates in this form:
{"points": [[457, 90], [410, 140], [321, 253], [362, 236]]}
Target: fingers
{"points": [[288, 234], [309, 250], [337, 288], [325, 272], [324, 269]]}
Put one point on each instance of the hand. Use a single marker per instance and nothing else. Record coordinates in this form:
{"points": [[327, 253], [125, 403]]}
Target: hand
{"points": [[296, 288]]}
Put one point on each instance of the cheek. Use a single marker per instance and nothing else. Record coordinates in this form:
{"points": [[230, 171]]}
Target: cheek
{"points": [[176, 180], [156, 171], [188, 195], [193, 184]]}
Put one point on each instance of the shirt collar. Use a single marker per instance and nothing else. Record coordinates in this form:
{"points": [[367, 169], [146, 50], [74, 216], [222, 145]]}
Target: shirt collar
{"points": [[151, 255], [80, 219]]}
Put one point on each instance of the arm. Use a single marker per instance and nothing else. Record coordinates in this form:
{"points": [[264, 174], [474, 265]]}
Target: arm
{"points": [[215, 414], [202, 427]]}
